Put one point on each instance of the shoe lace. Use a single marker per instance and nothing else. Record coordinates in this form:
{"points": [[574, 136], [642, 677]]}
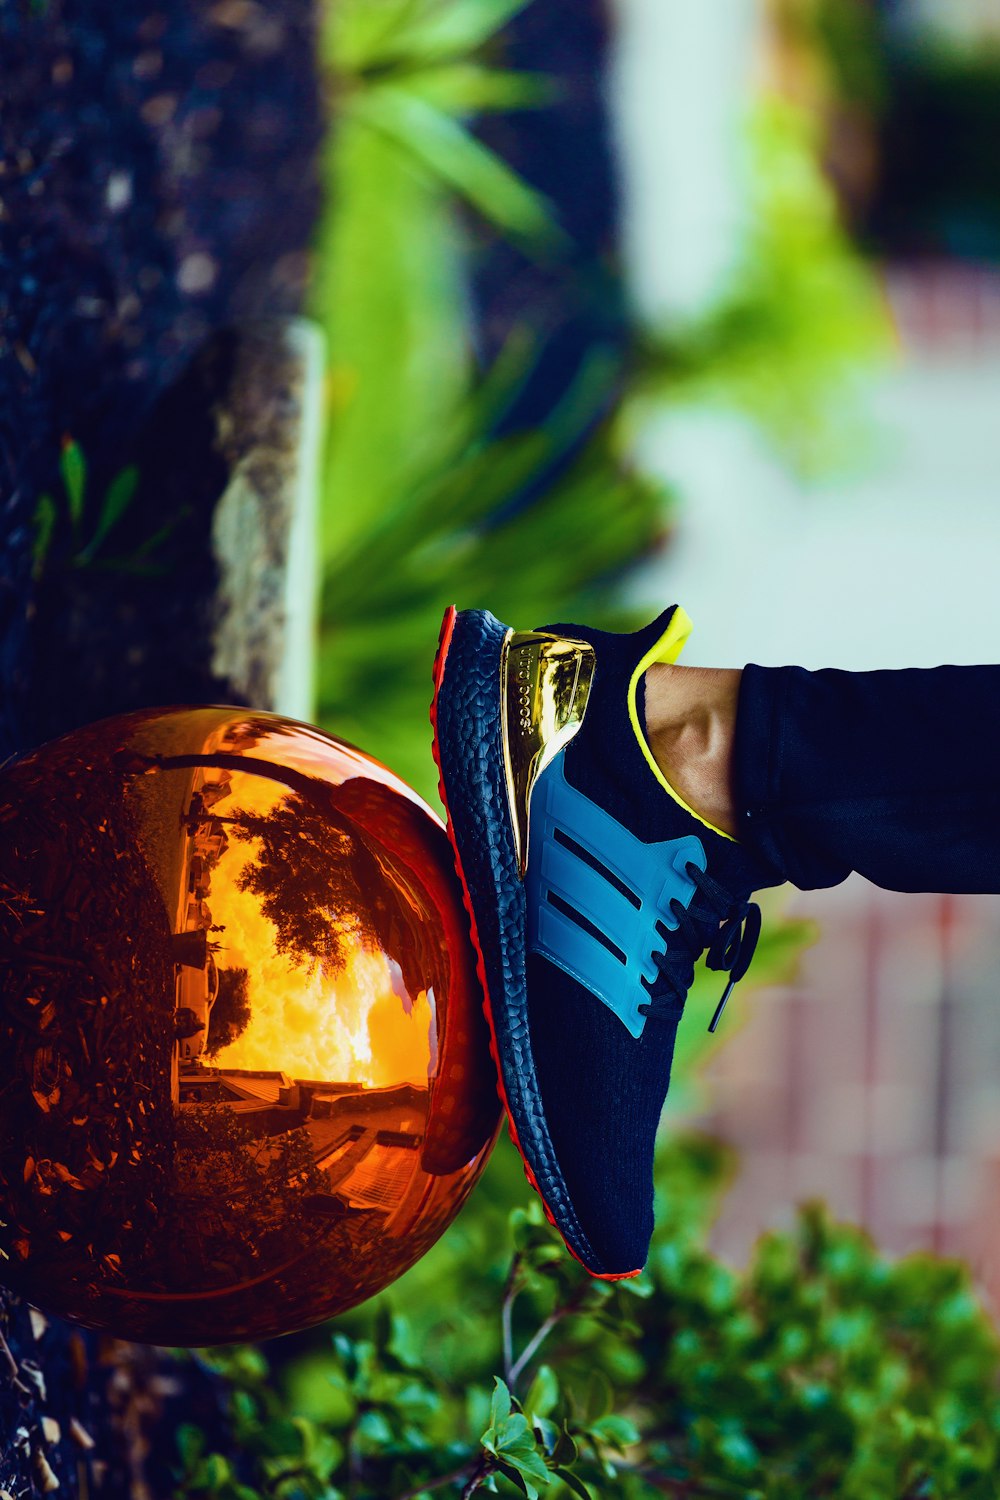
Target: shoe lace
{"points": [[734, 927]]}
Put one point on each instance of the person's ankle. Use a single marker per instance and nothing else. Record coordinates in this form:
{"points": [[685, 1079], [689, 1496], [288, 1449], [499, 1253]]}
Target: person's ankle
{"points": [[690, 723]]}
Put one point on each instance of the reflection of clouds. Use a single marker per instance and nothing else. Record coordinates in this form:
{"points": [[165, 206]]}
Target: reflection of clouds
{"points": [[351, 1026], [400, 1042], [398, 987]]}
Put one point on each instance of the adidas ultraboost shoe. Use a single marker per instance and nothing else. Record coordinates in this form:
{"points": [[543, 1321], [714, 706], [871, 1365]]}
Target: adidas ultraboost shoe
{"points": [[592, 888]]}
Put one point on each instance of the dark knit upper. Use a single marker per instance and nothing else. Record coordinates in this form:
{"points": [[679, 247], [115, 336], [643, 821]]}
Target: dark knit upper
{"points": [[602, 1089]]}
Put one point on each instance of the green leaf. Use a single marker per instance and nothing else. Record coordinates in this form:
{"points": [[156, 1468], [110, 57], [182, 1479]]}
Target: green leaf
{"points": [[469, 89], [530, 1465], [117, 499], [477, 1408], [571, 1482], [156, 539], [509, 1472], [357, 33], [73, 467], [615, 1430], [190, 1442], [452, 29], [636, 1286], [543, 1393], [599, 1398], [547, 1435], [462, 26], [514, 1432], [216, 1470], [566, 1449], [45, 524], [453, 155], [511, 1442], [500, 1406], [389, 293], [526, 1471], [375, 1427]]}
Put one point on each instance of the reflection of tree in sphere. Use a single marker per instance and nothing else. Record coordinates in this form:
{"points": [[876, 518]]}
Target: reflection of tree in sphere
{"points": [[231, 1010], [246, 1077], [307, 874]]}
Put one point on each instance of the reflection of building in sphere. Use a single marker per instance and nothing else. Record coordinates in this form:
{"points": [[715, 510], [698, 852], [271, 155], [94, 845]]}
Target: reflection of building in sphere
{"points": [[365, 1143], [252, 1084]]}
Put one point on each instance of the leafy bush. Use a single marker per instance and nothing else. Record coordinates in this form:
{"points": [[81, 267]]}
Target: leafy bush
{"points": [[823, 1369]]}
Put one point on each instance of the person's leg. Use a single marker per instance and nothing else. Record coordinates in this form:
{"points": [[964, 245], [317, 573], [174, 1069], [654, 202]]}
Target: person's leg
{"points": [[690, 718], [889, 773]]}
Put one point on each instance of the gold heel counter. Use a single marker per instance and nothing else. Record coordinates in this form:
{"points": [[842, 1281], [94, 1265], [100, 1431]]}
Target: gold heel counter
{"points": [[545, 683]]}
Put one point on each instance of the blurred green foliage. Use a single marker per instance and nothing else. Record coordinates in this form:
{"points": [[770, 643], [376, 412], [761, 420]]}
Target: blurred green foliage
{"points": [[423, 503], [847, 38], [850, 35], [803, 324], [822, 1370], [913, 94]]}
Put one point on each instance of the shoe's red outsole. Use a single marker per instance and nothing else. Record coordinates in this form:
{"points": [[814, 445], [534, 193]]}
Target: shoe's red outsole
{"points": [[444, 641]]}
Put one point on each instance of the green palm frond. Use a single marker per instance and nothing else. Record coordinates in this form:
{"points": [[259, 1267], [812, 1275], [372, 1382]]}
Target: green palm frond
{"points": [[425, 503], [364, 36], [465, 88], [530, 524], [446, 149]]}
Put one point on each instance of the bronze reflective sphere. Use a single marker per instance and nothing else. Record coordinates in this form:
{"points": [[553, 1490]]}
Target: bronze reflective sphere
{"points": [[244, 1073]]}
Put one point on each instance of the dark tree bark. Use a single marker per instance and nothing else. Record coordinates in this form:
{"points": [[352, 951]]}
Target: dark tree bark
{"points": [[92, 1415], [160, 188]]}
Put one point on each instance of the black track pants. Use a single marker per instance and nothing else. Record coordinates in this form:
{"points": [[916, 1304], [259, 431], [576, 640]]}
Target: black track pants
{"points": [[895, 774]]}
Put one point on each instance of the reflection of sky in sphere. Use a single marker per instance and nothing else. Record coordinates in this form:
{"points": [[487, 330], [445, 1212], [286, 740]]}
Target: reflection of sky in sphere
{"points": [[353, 1025]]}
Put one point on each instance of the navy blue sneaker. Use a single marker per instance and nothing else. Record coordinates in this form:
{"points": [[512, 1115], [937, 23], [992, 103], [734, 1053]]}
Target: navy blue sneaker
{"points": [[591, 888]]}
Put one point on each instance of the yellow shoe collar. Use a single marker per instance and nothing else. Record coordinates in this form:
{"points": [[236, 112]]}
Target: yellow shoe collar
{"points": [[667, 649]]}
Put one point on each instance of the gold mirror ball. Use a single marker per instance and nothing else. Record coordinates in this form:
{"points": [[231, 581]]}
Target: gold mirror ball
{"points": [[245, 1078]]}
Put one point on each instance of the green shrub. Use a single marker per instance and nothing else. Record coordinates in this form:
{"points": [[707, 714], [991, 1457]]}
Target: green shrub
{"points": [[823, 1369]]}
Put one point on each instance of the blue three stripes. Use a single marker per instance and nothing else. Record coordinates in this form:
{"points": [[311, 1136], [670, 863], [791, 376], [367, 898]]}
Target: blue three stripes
{"points": [[595, 893]]}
